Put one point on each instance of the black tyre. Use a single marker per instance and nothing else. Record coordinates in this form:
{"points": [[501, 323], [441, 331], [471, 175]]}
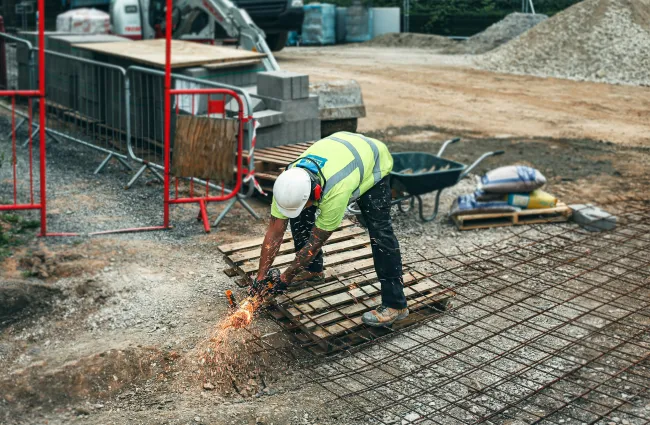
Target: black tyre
{"points": [[277, 41]]}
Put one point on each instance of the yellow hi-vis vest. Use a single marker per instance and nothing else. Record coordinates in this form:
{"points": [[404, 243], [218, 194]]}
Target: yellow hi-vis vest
{"points": [[352, 164]]}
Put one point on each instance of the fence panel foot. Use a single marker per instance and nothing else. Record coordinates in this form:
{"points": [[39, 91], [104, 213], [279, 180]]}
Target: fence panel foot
{"points": [[136, 176], [248, 208], [225, 211]]}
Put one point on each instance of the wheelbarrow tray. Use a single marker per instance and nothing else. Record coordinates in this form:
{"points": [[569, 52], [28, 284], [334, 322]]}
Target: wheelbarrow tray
{"points": [[445, 173]]}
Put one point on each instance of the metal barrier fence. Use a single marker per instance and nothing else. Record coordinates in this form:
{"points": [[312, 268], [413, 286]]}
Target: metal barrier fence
{"points": [[195, 96], [23, 172], [120, 112], [17, 72], [87, 105], [146, 101]]}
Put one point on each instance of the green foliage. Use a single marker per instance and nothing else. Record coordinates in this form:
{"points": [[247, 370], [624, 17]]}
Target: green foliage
{"points": [[14, 231], [446, 16]]}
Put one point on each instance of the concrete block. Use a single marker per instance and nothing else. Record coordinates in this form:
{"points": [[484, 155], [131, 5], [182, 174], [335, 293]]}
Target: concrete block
{"points": [[282, 84], [592, 218], [300, 87], [295, 110], [314, 130], [268, 118]]}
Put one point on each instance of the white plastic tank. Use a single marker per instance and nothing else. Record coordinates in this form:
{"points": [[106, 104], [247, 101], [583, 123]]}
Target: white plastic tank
{"points": [[386, 20], [126, 18]]}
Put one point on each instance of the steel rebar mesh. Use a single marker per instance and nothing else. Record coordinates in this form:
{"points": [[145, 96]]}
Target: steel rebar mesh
{"points": [[549, 325]]}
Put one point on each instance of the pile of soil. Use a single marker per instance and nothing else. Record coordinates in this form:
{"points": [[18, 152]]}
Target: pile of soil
{"points": [[595, 40]]}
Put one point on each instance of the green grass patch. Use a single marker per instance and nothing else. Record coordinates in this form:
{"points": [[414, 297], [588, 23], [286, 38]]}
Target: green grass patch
{"points": [[15, 231]]}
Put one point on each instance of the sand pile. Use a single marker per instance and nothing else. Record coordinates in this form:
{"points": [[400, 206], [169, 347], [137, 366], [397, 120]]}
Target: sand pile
{"points": [[595, 40]]}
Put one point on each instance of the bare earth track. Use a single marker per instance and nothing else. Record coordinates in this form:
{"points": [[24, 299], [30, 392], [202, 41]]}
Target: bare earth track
{"points": [[416, 87]]}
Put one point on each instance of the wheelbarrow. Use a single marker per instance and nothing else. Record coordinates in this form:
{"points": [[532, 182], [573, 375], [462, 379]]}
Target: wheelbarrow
{"points": [[417, 173]]}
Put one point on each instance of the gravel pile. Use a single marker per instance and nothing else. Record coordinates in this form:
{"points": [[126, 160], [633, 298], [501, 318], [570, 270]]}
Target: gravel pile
{"points": [[595, 40], [500, 33]]}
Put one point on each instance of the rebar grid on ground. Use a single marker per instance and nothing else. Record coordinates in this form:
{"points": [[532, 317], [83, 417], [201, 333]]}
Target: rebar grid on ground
{"points": [[548, 326]]}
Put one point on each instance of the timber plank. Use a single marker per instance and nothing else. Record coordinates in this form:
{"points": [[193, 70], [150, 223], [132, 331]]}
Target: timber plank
{"points": [[311, 321], [349, 324], [305, 294], [328, 260], [354, 295], [185, 53], [250, 243], [286, 247], [349, 268]]}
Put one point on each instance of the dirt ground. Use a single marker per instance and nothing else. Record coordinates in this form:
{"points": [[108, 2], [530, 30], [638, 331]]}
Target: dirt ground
{"points": [[411, 87], [118, 334]]}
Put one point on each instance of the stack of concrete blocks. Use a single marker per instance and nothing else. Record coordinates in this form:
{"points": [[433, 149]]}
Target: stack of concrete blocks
{"points": [[287, 93], [94, 91]]}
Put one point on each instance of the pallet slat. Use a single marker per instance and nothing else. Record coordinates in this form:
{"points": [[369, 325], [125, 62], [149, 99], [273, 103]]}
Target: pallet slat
{"points": [[251, 243], [353, 295], [343, 234], [325, 317], [558, 214], [349, 324]]}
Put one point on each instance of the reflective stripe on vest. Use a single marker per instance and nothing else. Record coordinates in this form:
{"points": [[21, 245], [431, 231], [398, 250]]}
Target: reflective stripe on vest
{"points": [[340, 175], [356, 163], [376, 170]]}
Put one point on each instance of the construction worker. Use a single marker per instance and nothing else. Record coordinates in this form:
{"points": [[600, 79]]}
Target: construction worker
{"points": [[326, 177]]}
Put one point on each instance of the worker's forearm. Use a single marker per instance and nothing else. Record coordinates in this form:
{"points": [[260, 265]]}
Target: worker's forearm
{"points": [[271, 246], [306, 255]]}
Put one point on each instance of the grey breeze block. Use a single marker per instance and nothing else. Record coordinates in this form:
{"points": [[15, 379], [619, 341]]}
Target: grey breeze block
{"points": [[592, 218], [284, 85]]}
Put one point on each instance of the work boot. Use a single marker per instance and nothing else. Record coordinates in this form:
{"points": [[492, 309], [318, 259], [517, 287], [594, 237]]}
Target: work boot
{"points": [[384, 316], [306, 277]]}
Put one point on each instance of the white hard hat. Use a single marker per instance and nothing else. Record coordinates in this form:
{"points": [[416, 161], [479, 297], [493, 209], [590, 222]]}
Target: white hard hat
{"points": [[291, 191]]}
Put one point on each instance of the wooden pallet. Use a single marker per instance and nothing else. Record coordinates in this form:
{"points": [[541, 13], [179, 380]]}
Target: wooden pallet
{"points": [[270, 162], [560, 213], [326, 317]]}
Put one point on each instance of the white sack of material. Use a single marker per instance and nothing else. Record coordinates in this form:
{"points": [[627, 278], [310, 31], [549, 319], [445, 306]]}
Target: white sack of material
{"points": [[84, 21]]}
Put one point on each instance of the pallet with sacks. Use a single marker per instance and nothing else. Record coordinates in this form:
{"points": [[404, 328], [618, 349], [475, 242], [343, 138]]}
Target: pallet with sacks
{"points": [[325, 317]]}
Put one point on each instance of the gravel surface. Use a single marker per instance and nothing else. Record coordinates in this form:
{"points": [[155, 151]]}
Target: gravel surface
{"points": [[595, 40], [500, 33], [412, 40]]}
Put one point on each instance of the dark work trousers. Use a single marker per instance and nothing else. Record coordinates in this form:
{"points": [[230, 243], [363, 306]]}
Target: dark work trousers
{"points": [[375, 207]]}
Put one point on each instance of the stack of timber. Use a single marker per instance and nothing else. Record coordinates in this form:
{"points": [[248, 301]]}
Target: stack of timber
{"points": [[325, 317]]}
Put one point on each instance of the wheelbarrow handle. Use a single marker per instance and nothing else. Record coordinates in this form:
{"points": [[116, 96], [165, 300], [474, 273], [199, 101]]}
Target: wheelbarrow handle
{"points": [[478, 161], [447, 143]]}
